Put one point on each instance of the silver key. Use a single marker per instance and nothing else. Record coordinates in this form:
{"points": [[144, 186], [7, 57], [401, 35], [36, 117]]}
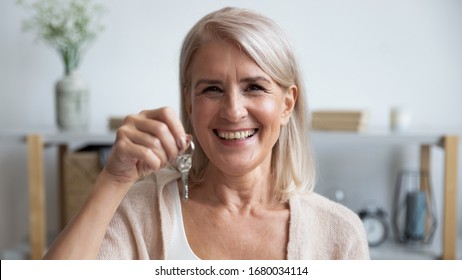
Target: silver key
{"points": [[183, 164]]}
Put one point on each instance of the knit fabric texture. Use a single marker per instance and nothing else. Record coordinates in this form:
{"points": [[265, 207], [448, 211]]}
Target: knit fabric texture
{"points": [[142, 225]]}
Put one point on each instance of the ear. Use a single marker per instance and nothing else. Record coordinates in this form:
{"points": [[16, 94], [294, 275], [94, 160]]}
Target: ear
{"points": [[289, 101]]}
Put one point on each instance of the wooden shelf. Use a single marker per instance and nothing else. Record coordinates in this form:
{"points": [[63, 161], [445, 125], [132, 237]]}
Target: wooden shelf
{"points": [[448, 143], [37, 141], [392, 250], [378, 138]]}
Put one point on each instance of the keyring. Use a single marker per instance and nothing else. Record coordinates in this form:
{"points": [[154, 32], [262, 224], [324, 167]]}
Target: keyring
{"points": [[183, 164]]}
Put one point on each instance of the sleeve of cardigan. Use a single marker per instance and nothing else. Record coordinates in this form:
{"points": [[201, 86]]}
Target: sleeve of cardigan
{"points": [[119, 242], [330, 230], [359, 248], [350, 233], [134, 231]]}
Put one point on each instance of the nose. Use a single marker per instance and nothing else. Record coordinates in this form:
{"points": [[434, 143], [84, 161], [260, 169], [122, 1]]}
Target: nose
{"points": [[233, 107]]}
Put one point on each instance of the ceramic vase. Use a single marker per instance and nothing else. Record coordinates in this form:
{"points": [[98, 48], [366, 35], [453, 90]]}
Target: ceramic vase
{"points": [[72, 102]]}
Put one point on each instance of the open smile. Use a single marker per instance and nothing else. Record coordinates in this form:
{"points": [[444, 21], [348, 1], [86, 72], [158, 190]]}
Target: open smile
{"points": [[235, 135]]}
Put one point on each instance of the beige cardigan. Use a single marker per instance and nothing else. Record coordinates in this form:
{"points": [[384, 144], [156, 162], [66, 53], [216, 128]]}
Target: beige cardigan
{"points": [[142, 226]]}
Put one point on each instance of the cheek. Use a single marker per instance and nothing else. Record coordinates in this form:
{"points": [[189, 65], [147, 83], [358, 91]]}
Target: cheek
{"points": [[198, 107], [270, 112], [201, 110]]}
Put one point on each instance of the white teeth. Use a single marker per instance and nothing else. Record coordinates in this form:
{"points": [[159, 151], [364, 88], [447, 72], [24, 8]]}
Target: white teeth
{"points": [[238, 135]]}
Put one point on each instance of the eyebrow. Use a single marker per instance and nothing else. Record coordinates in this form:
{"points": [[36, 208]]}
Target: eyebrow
{"points": [[255, 79], [219, 82]]}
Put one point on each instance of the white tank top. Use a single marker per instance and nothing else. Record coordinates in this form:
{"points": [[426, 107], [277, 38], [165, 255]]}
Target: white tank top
{"points": [[179, 247]]}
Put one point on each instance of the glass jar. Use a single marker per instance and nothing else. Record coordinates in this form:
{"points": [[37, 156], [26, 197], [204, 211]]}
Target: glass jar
{"points": [[414, 212]]}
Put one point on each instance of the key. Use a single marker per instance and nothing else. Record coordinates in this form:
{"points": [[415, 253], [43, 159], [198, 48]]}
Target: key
{"points": [[183, 164]]}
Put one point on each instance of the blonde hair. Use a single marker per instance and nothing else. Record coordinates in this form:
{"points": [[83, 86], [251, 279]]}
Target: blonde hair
{"points": [[293, 166]]}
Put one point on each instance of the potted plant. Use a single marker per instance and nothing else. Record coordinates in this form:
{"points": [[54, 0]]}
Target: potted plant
{"points": [[69, 26]]}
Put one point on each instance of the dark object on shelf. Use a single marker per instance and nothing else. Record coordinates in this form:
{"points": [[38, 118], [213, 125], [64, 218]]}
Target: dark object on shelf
{"points": [[414, 218], [375, 224]]}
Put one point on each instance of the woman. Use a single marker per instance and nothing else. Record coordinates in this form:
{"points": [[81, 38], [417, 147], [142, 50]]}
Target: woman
{"points": [[250, 195]]}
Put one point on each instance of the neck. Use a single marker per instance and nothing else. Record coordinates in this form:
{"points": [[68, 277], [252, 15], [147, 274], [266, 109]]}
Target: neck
{"points": [[240, 193]]}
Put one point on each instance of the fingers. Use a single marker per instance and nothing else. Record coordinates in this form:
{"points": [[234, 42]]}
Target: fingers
{"points": [[168, 117], [131, 153], [146, 133], [150, 139]]}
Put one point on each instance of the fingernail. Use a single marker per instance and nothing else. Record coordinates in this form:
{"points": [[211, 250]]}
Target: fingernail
{"points": [[188, 139], [181, 143]]}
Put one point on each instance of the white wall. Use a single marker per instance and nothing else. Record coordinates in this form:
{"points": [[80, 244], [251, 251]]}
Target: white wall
{"points": [[354, 54]]}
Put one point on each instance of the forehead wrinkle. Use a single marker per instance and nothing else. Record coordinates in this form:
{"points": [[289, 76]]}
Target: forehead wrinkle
{"points": [[224, 66], [252, 79]]}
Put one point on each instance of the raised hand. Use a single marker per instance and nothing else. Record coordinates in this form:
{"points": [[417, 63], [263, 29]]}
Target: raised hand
{"points": [[145, 143]]}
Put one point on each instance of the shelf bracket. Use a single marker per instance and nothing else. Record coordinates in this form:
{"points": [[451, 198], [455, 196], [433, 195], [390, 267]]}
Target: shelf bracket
{"points": [[37, 221], [450, 145]]}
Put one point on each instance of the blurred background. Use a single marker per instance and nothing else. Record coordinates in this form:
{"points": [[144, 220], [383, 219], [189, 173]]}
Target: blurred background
{"points": [[355, 55]]}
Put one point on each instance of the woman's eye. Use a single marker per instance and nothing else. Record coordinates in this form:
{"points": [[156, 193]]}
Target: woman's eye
{"points": [[255, 88], [212, 90]]}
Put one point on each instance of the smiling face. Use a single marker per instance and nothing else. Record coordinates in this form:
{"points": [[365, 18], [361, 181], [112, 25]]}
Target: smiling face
{"points": [[235, 108]]}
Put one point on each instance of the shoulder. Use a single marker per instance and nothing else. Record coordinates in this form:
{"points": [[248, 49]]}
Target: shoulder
{"points": [[328, 211], [336, 230]]}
